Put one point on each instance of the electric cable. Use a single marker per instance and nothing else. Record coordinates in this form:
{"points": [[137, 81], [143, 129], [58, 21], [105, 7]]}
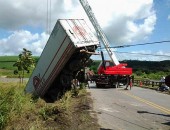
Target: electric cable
{"points": [[143, 54], [141, 44], [50, 19], [47, 19]]}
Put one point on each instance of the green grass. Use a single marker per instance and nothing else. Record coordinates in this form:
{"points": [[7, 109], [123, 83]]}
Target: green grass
{"points": [[10, 73], [8, 58], [6, 66], [19, 111], [13, 102], [6, 62]]}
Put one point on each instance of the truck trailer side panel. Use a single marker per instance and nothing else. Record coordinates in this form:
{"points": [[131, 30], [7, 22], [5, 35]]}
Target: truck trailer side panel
{"points": [[68, 37]]}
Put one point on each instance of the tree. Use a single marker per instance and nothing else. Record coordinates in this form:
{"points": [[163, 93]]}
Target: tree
{"points": [[24, 63]]}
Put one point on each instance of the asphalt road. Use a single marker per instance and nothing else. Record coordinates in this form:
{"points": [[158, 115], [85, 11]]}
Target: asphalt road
{"points": [[136, 109], [8, 80]]}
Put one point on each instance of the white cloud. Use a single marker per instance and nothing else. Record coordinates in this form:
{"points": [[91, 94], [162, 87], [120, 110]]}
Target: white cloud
{"points": [[123, 21], [18, 13], [13, 44], [134, 22]]}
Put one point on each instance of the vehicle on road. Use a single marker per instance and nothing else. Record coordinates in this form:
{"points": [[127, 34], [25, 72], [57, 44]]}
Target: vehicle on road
{"points": [[163, 87], [110, 73], [167, 80], [67, 51]]}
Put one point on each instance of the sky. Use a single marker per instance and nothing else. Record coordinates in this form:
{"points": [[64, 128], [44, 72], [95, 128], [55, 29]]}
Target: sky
{"points": [[23, 24]]}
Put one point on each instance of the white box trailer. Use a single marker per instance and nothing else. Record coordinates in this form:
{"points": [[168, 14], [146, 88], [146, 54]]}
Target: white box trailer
{"points": [[65, 53]]}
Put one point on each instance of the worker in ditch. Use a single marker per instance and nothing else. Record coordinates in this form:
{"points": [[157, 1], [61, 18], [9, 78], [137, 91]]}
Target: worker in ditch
{"points": [[90, 74]]}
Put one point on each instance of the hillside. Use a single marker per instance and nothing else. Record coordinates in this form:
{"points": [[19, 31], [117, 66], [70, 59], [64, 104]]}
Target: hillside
{"points": [[145, 69], [149, 66]]}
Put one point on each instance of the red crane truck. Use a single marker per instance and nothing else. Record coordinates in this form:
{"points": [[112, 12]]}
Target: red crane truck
{"points": [[110, 73]]}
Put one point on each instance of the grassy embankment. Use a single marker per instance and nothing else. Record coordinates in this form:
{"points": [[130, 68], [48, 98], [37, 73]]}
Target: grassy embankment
{"points": [[20, 111]]}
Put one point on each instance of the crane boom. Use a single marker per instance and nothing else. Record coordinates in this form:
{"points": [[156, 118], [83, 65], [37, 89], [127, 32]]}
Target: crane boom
{"points": [[99, 31]]}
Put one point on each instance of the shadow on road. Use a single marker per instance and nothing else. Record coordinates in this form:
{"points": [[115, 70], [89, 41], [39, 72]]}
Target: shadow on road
{"points": [[93, 86], [143, 112], [140, 126], [167, 123], [105, 129]]}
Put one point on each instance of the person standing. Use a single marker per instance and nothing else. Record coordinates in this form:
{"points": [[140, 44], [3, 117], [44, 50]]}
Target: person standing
{"points": [[129, 82]]}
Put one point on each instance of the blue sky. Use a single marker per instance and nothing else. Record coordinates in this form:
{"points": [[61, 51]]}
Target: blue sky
{"points": [[24, 24], [162, 26]]}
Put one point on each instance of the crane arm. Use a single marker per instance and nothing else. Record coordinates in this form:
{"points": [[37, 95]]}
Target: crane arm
{"points": [[99, 31]]}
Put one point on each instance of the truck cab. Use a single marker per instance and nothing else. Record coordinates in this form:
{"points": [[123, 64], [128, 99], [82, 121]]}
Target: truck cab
{"points": [[110, 75]]}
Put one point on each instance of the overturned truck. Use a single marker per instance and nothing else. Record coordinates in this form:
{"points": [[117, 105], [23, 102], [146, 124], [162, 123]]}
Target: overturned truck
{"points": [[67, 51]]}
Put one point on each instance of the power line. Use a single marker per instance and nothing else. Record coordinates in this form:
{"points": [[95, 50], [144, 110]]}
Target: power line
{"points": [[142, 54], [48, 20], [158, 42]]}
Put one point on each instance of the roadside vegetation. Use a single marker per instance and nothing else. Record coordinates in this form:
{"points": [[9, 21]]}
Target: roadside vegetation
{"points": [[19, 110], [24, 64]]}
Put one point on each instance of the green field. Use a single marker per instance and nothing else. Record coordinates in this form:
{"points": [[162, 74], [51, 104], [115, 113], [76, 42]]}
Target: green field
{"points": [[8, 58], [6, 62], [142, 69], [6, 66]]}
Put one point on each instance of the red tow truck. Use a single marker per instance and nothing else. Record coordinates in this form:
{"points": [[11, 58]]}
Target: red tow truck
{"points": [[110, 73]]}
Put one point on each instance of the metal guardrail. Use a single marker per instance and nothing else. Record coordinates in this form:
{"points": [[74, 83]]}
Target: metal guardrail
{"points": [[153, 83]]}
